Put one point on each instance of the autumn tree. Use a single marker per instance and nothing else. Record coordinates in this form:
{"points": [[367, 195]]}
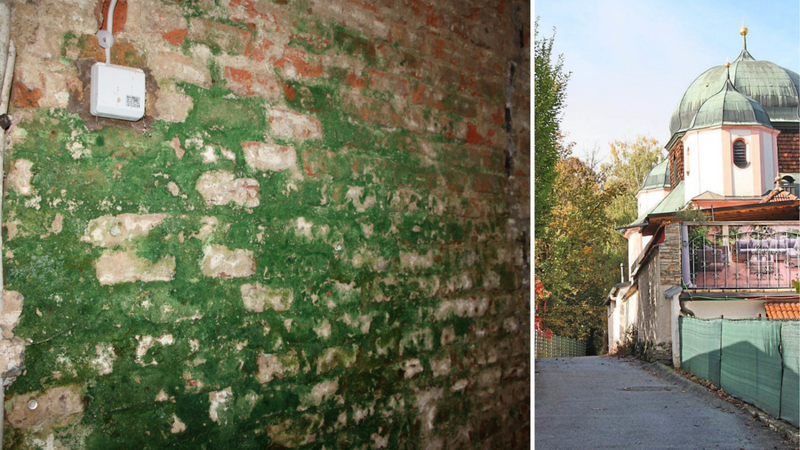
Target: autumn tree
{"points": [[572, 253], [630, 163], [550, 83]]}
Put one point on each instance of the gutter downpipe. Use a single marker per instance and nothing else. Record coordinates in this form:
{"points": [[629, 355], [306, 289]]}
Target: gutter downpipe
{"points": [[7, 57]]}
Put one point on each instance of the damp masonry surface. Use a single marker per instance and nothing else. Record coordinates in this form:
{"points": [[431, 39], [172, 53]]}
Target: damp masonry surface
{"points": [[315, 237]]}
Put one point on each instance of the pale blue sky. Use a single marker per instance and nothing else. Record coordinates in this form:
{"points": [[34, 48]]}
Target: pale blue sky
{"points": [[631, 61]]}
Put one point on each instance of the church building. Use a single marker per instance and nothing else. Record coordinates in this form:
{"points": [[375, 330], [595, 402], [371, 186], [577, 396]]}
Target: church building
{"points": [[717, 232]]}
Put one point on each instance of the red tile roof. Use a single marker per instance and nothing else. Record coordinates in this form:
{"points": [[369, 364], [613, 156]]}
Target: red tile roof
{"points": [[778, 195], [783, 310]]}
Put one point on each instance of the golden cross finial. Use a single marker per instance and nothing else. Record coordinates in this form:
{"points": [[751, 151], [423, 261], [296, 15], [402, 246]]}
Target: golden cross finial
{"points": [[743, 32]]}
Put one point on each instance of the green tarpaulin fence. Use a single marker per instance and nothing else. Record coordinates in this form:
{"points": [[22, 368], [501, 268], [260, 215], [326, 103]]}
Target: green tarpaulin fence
{"points": [[700, 342], [757, 361], [790, 390], [751, 364]]}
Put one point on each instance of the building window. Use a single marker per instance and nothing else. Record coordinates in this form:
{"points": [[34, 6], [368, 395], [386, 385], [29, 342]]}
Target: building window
{"points": [[740, 154]]}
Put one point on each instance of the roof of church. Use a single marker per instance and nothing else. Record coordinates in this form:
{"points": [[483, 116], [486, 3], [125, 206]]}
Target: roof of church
{"points": [[729, 107], [672, 203], [658, 177], [773, 87]]}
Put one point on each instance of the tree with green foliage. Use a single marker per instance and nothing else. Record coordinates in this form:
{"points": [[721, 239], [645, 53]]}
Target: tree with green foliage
{"points": [[572, 254], [578, 250], [550, 84], [631, 161]]}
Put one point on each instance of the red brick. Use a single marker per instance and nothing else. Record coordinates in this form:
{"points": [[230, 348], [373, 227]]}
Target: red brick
{"points": [[356, 82], [370, 110], [388, 81], [258, 50], [22, 97], [120, 15], [476, 209], [472, 134], [243, 82], [492, 160], [420, 95], [297, 59], [175, 37], [485, 184], [126, 54], [227, 38]]}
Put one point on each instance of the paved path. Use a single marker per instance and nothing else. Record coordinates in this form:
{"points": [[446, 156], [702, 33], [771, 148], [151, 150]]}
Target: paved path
{"points": [[604, 402]]}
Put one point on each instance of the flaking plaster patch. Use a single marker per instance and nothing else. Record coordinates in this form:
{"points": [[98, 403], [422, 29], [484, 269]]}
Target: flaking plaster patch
{"points": [[11, 310], [219, 400], [271, 366], [176, 145], [256, 297], [57, 406], [354, 193], [19, 177], [221, 262], [177, 425], [304, 227], [269, 157], [220, 187], [173, 189], [146, 342], [413, 260], [288, 124], [209, 224], [12, 357], [109, 231], [323, 330], [104, 363], [412, 367], [125, 267], [323, 390]]}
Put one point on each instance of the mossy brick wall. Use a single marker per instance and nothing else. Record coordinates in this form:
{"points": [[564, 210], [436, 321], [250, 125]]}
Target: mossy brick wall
{"points": [[317, 237]]}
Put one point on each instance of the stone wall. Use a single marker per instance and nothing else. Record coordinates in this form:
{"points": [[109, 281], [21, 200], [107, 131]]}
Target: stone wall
{"points": [[316, 236], [670, 253], [660, 271]]}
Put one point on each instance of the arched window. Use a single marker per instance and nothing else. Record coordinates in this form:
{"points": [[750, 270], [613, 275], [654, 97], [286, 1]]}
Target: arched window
{"points": [[740, 153]]}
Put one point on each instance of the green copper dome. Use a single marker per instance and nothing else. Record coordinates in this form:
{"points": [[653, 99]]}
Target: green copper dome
{"points": [[658, 177], [729, 107], [774, 88]]}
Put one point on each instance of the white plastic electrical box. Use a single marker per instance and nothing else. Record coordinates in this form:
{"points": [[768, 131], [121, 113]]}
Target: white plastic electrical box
{"points": [[117, 92]]}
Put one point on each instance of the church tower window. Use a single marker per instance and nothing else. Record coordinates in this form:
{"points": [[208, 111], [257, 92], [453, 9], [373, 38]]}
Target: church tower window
{"points": [[740, 154]]}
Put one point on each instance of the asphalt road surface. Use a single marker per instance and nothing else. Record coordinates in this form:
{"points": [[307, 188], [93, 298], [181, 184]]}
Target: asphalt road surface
{"points": [[604, 402]]}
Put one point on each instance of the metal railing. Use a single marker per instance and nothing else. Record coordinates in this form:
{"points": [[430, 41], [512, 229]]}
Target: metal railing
{"points": [[740, 255], [556, 346]]}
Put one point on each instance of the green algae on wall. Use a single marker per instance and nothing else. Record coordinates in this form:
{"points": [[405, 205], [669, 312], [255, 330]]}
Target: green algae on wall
{"points": [[351, 288]]}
